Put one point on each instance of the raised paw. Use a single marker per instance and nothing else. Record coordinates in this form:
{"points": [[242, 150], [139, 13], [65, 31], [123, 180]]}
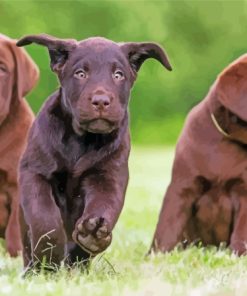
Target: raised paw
{"points": [[92, 235]]}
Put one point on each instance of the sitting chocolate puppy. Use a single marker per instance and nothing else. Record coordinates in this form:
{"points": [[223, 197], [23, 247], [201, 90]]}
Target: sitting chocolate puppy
{"points": [[74, 172], [207, 198]]}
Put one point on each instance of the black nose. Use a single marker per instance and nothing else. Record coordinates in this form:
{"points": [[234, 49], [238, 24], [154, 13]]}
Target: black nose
{"points": [[101, 101]]}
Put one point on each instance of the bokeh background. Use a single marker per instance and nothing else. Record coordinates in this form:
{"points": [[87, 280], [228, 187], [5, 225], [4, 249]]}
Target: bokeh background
{"points": [[200, 37]]}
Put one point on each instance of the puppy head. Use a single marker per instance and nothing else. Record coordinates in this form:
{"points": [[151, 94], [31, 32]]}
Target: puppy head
{"points": [[96, 77], [18, 74]]}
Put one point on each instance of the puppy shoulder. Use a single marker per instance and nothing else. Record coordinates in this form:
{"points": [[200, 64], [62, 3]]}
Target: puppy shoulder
{"points": [[46, 121]]}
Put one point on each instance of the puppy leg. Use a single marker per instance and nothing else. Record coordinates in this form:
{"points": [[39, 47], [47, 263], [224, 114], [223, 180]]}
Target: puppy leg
{"points": [[174, 217], [238, 242], [43, 219], [12, 233], [77, 255], [26, 240], [4, 213], [103, 203]]}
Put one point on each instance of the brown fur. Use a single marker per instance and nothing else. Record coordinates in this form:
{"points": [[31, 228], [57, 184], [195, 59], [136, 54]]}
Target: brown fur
{"points": [[74, 172], [207, 197], [18, 75]]}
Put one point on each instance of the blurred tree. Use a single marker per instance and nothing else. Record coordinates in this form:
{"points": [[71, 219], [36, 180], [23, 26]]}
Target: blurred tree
{"points": [[200, 37]]}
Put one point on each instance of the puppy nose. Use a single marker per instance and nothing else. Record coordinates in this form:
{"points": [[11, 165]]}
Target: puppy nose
{"points": [[100, 101]]}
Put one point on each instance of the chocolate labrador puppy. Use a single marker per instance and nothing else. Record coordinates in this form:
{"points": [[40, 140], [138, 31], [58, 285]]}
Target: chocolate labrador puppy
{"points": [[207, 197], [18, 76], [74, 172]]}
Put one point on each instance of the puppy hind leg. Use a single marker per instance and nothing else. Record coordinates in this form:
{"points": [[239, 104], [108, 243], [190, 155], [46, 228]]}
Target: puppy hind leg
{"points": [[238, 241], [76, 255], [12, 233], [4, 213]]}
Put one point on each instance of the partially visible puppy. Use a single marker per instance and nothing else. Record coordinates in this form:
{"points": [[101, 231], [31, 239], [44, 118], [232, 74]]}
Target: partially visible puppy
{"points": [[207, 197], [18, 75]]}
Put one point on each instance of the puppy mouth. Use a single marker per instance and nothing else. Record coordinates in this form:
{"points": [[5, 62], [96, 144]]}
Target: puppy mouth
{"points": [[100, 126], [95, 126]]}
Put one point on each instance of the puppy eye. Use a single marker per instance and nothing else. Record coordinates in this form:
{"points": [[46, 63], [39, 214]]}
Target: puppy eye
{"points": [[80, 74], [118, 75]]}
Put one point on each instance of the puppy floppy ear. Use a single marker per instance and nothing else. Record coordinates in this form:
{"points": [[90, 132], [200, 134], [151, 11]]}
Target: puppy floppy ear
{"points": [[231, 87], [27, 72], [138, 52], [59, 49]]}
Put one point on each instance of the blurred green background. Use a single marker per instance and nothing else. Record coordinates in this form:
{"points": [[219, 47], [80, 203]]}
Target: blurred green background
{"points": [[200, 37]]}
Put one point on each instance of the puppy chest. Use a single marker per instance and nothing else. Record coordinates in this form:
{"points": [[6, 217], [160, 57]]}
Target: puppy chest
{"points": [[69, 197], [222, 165]]}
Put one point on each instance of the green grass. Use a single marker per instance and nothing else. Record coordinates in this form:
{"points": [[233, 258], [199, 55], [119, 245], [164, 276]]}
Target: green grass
{"points": [[124, 269]]}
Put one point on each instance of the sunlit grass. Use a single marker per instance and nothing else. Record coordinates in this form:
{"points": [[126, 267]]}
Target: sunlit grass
{"points": [[124, 269]]}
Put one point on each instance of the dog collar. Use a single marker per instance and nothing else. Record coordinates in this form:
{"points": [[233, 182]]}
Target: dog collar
{"points": [[218, 127]]}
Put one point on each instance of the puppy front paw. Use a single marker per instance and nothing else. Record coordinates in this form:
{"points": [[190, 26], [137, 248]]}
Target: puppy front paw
{"points": [[92, 235]]}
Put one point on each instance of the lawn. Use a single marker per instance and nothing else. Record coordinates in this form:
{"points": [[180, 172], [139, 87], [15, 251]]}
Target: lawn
{"points": [[124, 269]]}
